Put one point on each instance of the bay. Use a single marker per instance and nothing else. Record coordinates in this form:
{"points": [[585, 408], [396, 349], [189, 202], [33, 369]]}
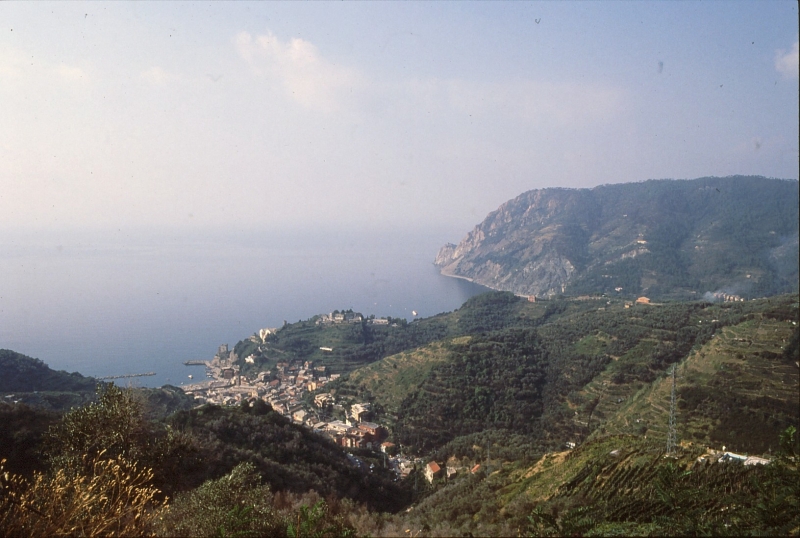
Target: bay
{"points": [[113, 304]]}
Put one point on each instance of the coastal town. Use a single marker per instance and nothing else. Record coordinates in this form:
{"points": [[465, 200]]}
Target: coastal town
{"points": [[293, 388]]}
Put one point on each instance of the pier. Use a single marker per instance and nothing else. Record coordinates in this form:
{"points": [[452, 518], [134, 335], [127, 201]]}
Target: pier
{"points": [[195, 363], [126, 375]]}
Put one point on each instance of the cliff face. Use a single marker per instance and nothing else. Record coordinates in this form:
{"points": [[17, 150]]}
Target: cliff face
{"points": [[665, 238]]}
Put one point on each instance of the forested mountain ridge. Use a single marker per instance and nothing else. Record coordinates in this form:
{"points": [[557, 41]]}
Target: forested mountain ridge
{"points": [[663, 238]]}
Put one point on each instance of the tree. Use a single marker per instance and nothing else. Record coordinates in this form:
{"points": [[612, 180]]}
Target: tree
{"points": [[112, 426]]}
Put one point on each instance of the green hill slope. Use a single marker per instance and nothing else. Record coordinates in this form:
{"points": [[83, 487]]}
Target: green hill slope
{"points": [[618, 485], [349, 346], [586, 370], [662, 238], [737, 390], [397, 376], [21, 373]]}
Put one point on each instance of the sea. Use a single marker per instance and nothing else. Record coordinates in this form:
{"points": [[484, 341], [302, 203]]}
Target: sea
{"points": [[110, 304]]}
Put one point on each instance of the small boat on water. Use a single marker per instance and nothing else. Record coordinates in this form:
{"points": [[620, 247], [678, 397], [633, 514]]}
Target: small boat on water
{"points": [[191, 376]]}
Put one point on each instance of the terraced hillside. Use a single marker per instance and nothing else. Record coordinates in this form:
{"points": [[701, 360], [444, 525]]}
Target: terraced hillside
{"points": [[348, 346], [565, 370], [619, 485], [397, 376], [738, 389]]}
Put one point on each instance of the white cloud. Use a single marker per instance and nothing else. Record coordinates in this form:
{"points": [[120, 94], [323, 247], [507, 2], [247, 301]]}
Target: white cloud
{"points": [[71, 73], [557, 104], [297, 66], [26, 68], [156, 75], [787, 62], [12, 63]]}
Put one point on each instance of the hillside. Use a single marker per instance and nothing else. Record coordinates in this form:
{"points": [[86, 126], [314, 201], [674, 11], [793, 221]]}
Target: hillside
{"points": [[351, 345], [496, 392], [584, 370], [22, 373], [617, 485], [397, 376], [287, 456], [736, 390], [28, 381], [661, 238], [347, 345]]}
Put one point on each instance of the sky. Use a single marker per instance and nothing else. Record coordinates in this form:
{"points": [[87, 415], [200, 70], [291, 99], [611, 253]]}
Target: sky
{"points": [[240, 117]]}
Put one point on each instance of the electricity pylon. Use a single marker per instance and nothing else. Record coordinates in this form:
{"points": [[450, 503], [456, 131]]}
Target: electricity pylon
{"points": [[672, 435]]}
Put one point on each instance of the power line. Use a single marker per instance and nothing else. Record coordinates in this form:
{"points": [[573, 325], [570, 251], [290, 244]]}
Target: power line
{"points": [[672, 435]]}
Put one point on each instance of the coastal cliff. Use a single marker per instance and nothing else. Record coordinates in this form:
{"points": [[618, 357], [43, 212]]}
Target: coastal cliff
{"points": [[667, 238]]}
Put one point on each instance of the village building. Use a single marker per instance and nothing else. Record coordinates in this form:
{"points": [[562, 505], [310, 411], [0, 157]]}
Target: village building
{"points": [[360, 411], [337, 426], [405, 468], [376, 432], [432, 470], [323, 400]]}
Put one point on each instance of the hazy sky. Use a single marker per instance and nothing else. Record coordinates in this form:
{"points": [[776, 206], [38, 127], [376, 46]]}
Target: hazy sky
{"points": [[247, 116]]}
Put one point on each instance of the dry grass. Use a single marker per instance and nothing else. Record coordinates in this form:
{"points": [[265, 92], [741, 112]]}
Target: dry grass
{"points": [[114, 499]]}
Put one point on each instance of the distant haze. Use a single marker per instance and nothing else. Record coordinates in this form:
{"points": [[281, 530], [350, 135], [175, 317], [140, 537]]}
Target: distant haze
{"points": [[242, 116]]}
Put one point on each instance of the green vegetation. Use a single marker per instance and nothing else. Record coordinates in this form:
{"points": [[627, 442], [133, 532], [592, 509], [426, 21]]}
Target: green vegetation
{"points": [[288, 457], [396, 377], [666, 239], [353, 344], [24, 374], [356, 344], [490, 382], [105, 469], [736, 390], [502, 383], [22, 435], [619, 485], [562, 370]]}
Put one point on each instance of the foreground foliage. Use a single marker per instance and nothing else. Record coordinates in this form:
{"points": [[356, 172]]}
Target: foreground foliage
{"points": [[108, 497]]}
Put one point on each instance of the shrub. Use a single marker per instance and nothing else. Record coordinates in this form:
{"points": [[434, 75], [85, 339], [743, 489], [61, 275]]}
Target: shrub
{"points": [[114, 498], [236, 504]]}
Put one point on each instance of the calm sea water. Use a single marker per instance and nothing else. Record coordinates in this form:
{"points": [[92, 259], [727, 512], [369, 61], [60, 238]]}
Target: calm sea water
{"points": [[116, 305]]}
